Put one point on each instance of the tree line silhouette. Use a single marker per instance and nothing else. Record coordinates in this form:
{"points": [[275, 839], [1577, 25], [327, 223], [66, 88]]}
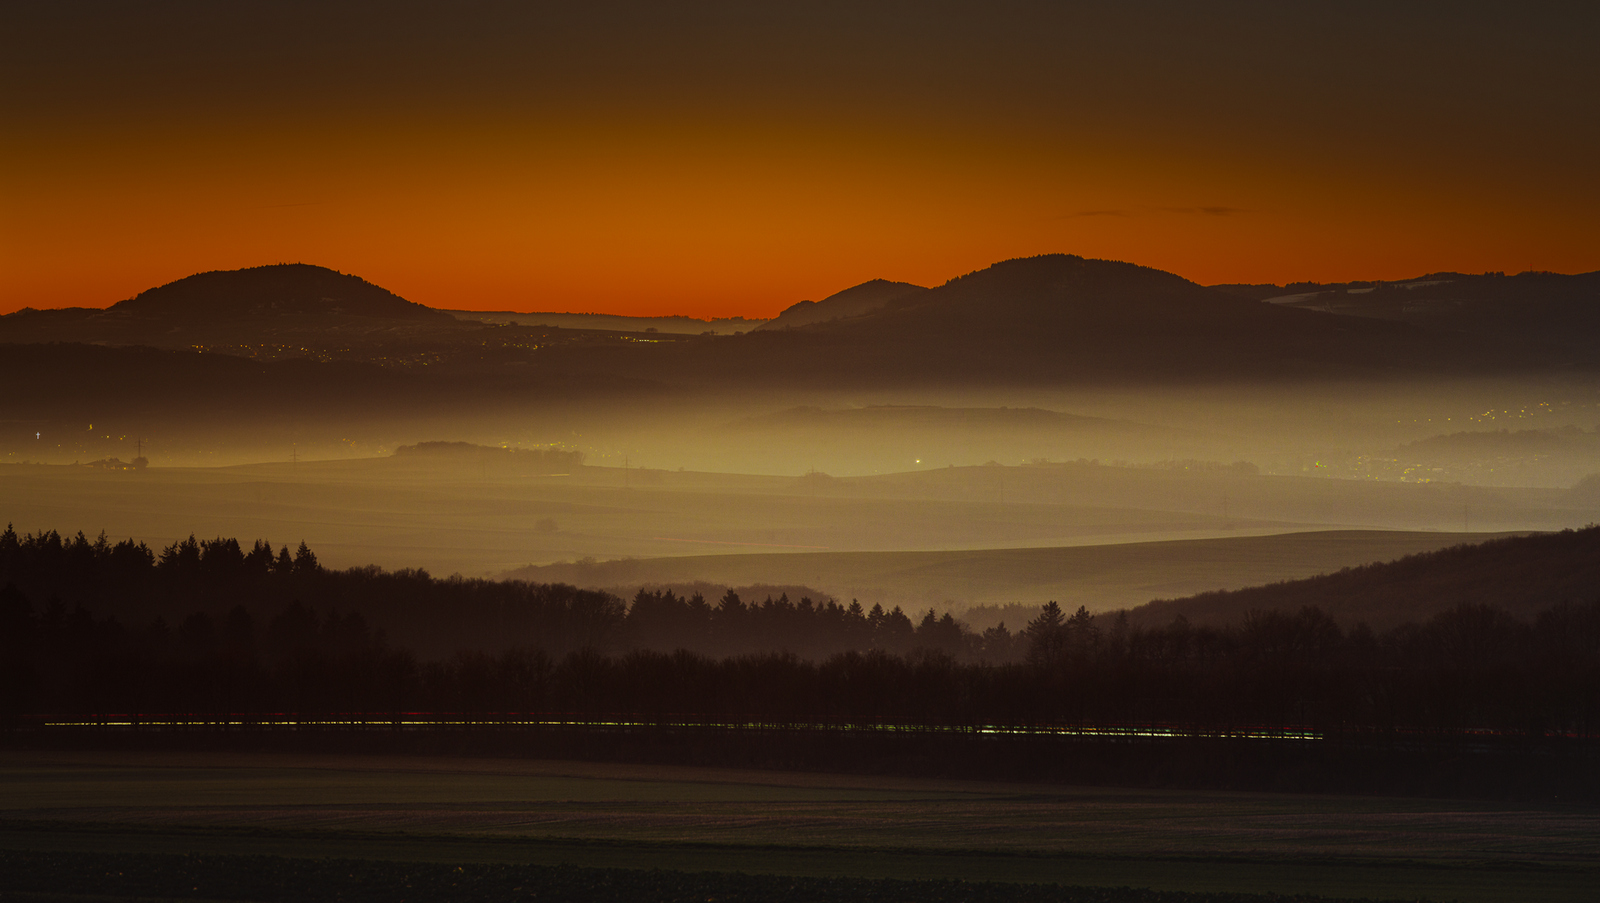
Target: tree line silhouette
{"points": [[435, 617], [267, 636]]}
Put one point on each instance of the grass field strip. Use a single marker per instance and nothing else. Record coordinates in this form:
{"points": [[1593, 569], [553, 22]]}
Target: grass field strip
{"points": [[424, 721]]}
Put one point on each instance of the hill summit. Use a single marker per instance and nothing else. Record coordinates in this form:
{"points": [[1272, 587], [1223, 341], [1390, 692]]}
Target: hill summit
{"points": [[1062, 316], [278, 290], [1072, 292], [860, 299], [292, 303]]}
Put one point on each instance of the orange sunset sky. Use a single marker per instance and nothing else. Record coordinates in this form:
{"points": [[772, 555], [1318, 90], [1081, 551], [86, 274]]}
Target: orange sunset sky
{"points": [[731, 159]]}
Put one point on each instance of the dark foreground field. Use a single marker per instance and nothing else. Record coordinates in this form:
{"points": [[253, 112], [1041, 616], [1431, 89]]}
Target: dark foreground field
{"points": [[146, 877], [242, 826]]}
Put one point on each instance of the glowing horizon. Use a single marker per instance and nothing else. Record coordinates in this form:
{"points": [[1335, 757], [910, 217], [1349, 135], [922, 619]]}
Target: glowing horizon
{"points": [[734, 161], [646, 309]]}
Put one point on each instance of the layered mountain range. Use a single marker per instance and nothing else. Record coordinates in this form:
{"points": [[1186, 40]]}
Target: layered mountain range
{"points": [[1061, 316], [1050, 319]]}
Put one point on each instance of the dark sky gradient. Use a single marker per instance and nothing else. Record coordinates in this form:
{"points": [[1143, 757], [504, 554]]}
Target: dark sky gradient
{"points": [[735, 158]]}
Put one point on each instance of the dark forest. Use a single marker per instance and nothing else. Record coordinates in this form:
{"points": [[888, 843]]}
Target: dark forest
{"points": [[208, 628]]}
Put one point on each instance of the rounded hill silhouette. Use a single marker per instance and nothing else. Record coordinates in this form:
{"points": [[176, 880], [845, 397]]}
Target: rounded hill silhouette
{"points": [[288, 303], [1061, 316], [282, 290], [1051, 292], [860, 299]]}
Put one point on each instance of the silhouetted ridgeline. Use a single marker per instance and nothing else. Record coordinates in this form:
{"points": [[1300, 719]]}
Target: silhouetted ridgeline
{"points": [[275, 632], [285, 289], [1554, 311], [1061, 317], [1522, 575], [249, 305], [860, 299]]}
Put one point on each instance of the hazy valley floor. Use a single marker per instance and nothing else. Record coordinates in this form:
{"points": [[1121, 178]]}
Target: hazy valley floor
{"points": [[957, 535], [1096, 576]]}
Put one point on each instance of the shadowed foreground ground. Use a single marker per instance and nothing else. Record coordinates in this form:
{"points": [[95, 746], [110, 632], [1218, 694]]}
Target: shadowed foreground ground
{"points": [[519, 823], [145, 877]]}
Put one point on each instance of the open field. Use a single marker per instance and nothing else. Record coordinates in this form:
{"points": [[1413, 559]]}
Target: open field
{"points": [[692, 819]]}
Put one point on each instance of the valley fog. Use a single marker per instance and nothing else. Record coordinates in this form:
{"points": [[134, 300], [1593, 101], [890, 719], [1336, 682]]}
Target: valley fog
{"points": [[1534, 432], [799, 451], [891, 444], [763, 488]]}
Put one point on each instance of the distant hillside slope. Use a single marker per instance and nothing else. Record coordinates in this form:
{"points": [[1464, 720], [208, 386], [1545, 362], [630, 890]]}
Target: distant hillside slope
{"points": [[71, 382], [1546, 310], [1567, 439], [1556, 457], [903, 418], [1522, 575], [1100, 577], [1253, 291], [676, 325], [852, 302]]}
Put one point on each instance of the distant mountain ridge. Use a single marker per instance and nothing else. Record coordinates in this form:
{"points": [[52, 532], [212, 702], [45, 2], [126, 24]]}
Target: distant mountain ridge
{"points": [[860, 299], [1049, 319], [277, 290], [1063, 297], [1068, 290], [274, 303], [1064, 317]]}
